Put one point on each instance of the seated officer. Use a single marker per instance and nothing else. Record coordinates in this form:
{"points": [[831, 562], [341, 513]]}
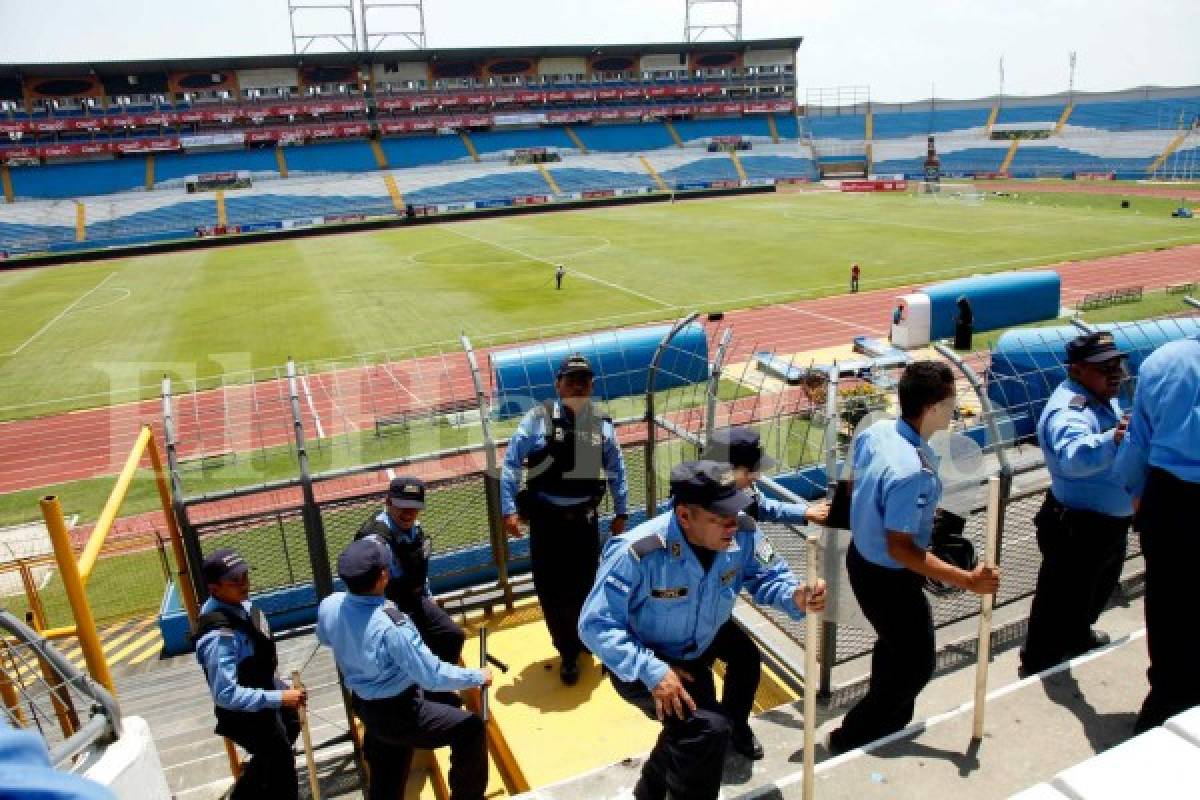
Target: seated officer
{"points": [[254, 707], [659, 615], [398, 527], [742, 448], [1083, 525], [385, 666]]}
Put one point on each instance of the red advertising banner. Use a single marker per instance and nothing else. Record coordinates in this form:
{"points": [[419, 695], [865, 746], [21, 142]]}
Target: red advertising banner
{"points": [[607, 94], [531, 200], [874, 186], [556, 96], [593, 194], [149, 145], [724, 184], [529, 97]]}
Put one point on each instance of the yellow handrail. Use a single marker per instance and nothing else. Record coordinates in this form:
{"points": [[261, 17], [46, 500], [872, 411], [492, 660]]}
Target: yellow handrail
{"points": [[87, 559]]}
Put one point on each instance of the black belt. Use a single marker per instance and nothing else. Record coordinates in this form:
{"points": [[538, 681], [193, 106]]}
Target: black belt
{"points": [[407, 696], [1055, 506]]}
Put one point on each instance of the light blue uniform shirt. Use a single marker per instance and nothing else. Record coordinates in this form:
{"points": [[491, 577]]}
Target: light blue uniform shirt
{"points": [[1164, 430], [1077, 432], [530, 436], [402, 536], [220, 652], [25, 770], [662, 604], [896, 488], [771, 510], [379, 657]]}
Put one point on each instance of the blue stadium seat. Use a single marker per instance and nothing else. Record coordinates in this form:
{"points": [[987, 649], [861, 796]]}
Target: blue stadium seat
{"points": [[495, 141], [416, 151], [704, 169], [635, 138], [79, 180], [698, 129], [355, 156], [897, 125], [170, 166], [764, 167], [847, 126]]}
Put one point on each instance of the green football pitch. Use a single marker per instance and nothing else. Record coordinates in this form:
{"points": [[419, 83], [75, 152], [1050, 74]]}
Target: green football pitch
{"points": [[89, 334]]}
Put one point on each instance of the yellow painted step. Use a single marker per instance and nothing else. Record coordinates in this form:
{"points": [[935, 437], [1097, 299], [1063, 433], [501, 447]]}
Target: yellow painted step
{"points": [[1065, 116], [1008, 158], [467, 143], [773, 128], [380, 156], [574, 137], [150, 171], [674, 133], [80, 221], [6, 182], [281, 162], [222, 219], [653, 173], [1166, 153], [869, 126], [389, 180], [992, 118], [737, 165], [549, 179]]}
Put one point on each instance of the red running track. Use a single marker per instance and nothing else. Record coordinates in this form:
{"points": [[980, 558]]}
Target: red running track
{"points": [[84, 444]]}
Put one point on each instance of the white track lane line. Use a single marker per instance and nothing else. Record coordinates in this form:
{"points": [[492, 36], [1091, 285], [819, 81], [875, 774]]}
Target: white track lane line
{"points": [[312, 408], [60, 315], [574, 271], [835, 320]]}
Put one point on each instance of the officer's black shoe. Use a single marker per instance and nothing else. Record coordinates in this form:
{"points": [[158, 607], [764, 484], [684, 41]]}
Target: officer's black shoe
{"points": [[1097, 639], [568, 671], [744, 742], [835, 744]]}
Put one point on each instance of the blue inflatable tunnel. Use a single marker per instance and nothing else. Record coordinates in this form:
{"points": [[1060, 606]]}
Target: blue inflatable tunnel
{"points": [[524, 376], [1027, 364], [999, 301]]}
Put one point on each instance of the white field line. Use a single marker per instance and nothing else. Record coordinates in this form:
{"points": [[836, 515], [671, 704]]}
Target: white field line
{"points": [[574, 271], [60, 315], [312, 408]]}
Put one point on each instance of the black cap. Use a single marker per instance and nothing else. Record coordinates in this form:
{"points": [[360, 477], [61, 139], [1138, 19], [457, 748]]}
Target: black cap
{"points": [[406, 492], [741, 447], [223, 565], [710, 485], [575, 365], [1093, 348], [362, 557]]}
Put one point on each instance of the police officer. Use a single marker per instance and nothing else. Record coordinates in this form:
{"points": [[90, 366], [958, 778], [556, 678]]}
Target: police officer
{"points": [[1083, 525], [398, 526], [1160, 461], [254, 707], [742, 449], [386, 667], [660, 614], [570, 451], [895, 492]]}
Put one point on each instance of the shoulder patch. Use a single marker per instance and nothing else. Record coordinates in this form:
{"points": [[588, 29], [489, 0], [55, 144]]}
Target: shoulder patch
{"points": [[764, 552], [1078, 402], [395, 615], [647, 545], [728, 576]]}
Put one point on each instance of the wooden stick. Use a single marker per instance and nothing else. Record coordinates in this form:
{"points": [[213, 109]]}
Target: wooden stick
{"points": [[812, 675], [985, 606], [308, 748]]}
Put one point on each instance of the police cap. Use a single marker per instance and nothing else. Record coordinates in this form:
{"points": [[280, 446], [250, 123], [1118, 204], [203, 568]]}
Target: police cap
{"points": [[741, 447], [710, 485], [1093, 348], [406, 492], [223, 565], [575, 365], [361, 558]]}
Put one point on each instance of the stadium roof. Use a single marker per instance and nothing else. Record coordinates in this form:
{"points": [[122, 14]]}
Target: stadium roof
{"points": [[102, 68]]}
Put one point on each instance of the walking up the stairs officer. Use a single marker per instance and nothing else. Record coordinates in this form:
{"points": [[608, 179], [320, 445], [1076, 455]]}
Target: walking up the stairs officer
{"points": [[1083, 524], [387, 668], [398, 526], [660, 613], [254, 707], [570, 451], [1160, 461]]}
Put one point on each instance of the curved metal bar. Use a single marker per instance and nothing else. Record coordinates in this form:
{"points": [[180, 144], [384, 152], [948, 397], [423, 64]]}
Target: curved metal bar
{"points": [[985, 405], [651, 375]]}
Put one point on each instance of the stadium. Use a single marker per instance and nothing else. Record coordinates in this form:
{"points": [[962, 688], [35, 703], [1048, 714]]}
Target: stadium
{"points": [[240, 295]]}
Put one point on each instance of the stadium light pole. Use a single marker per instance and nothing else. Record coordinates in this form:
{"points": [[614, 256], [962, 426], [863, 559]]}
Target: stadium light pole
{"points": [[692, 32], [323, 9]]}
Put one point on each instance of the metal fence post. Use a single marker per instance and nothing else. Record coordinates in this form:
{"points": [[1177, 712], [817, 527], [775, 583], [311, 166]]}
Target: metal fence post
{"points": [[491, 478], [314, 527], [829, 628], [191, 542], [714, 384], [651, 375]]}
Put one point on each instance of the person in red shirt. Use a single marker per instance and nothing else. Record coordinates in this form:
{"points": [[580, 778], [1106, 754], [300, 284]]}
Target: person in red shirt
{"points": [[854, 273]]}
